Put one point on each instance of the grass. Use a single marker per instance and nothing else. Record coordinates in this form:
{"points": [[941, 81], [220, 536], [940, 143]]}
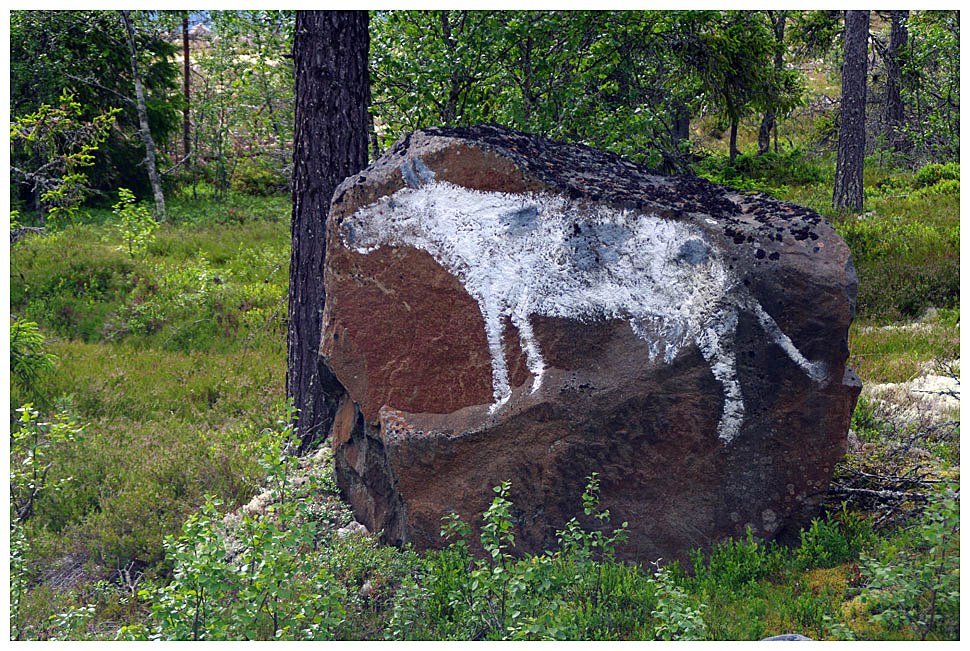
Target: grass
{"points": [[173, 358], [899, 353]]}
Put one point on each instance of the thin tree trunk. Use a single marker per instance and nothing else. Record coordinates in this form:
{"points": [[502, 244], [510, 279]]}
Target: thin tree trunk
{"points": [[450, 109], [852, 119], [330, 52], [143, 129], [764, 131], [768, 122], [894, 116], [186, 92], [733, 148]]}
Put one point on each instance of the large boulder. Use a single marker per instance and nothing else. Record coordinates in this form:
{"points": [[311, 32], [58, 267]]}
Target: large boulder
{"points": [[502, 307]]}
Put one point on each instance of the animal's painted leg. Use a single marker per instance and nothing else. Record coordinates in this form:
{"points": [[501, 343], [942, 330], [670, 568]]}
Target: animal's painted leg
{"points": [[501, 391], [721, 357], [814, 370], [533, 357]]}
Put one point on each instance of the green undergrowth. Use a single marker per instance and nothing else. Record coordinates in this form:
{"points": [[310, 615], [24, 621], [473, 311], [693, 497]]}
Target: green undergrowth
{"points": [[213, 288], [905, 244], [285, 572], [901, 352], [172, 355]]}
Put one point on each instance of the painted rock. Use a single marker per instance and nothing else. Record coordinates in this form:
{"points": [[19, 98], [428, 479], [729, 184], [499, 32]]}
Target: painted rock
{"points": [[502, 307]]}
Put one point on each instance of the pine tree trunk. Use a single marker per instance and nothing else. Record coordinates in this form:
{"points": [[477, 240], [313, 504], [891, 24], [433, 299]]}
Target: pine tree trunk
{"points": [[852, 119], [733, 145], [768, 121], [330, 52], [764, 131], [894, 116], [143, 129]]}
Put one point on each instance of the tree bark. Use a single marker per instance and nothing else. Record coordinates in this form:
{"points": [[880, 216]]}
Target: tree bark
{"points": [[894, 116], [768, 121], [330, 52], [733, 140], [852, 118], [186, 91], [143, 129]]}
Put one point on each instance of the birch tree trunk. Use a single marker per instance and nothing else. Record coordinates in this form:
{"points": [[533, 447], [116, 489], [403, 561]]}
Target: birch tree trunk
{"points": [[186, 92], [143, 129]]}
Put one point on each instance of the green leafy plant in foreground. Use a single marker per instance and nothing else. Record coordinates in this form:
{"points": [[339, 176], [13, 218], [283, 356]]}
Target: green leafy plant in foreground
{"points": [[832, 540], [33, 446], [917, 585], [676, 616], [256, 574], [135, 222], [576, 592], [32, 453], [29, 358]]}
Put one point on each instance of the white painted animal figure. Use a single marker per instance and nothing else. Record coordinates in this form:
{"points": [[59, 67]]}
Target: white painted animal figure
{"points": [[524, 254]]}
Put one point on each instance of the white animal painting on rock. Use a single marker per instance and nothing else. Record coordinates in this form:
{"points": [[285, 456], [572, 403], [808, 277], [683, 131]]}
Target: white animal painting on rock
{"points": [[524, 254]]}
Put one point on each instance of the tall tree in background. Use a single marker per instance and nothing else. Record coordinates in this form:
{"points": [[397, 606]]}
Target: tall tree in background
{"points": [[768, 121], [144, 130], [330, 50], [894, 117], [852, 120], [186, 91]]}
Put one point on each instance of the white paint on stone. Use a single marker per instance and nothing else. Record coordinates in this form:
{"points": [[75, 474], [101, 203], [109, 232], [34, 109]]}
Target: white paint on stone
{"points": [[520, 255]]}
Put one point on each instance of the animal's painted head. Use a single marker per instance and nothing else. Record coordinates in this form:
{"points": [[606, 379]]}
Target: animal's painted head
{"points": [[438, 216]]}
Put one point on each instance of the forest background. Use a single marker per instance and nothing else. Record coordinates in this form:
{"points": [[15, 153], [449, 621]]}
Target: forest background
{"points": [[151, 489]]}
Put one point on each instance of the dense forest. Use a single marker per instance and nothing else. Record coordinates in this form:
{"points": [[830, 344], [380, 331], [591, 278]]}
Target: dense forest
{"points": [[155, 487]]}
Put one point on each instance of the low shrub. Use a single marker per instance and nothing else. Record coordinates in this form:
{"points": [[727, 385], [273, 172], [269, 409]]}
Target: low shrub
{"points": [[913, 582], [734, 564], [257, 574], [577, 592], [256, 177], [904, 266], [770, 172], [942, 187], [135, 222], [934, 173], [833, 540]]}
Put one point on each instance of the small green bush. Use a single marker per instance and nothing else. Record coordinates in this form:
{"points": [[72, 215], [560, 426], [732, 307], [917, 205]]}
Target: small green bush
{"points": [[577, 592], [945, 186], [832, 541], [254, 177], [933, 173], [34, 447], [677, 616], [904, 265], [770, 172], [135, 222], [255, 576], [29, 357], [734, 564], [914, 582]]}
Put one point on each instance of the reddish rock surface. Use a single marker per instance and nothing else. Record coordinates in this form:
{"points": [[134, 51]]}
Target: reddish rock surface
{"points": [[705, 410]]}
